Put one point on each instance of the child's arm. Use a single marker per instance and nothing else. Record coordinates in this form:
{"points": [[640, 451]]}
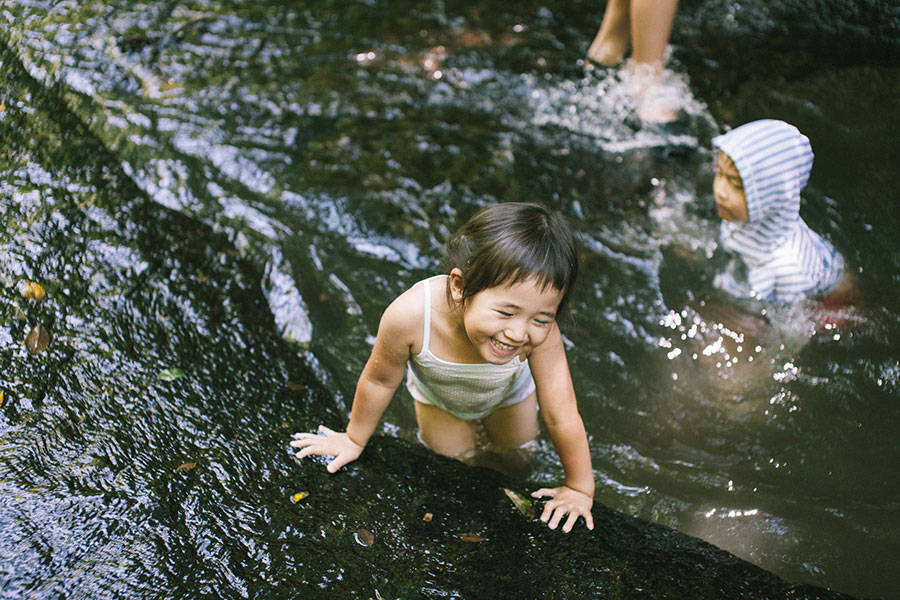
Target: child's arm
{"points": [[376, 386], [559, 409]]}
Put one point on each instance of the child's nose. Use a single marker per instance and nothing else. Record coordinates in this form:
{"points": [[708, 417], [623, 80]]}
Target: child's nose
{"points": [[516, 332]]}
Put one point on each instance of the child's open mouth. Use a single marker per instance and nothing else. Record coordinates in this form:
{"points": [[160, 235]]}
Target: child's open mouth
{"points": [[503, 348]]}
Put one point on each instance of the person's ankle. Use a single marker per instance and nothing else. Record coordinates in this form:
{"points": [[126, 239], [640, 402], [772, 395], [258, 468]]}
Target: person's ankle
{"points": [[606, 54], [608, 48]]}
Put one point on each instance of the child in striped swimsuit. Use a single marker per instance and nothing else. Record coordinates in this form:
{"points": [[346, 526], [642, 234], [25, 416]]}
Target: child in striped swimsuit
{"points": [[481, 344], [761, 168]]}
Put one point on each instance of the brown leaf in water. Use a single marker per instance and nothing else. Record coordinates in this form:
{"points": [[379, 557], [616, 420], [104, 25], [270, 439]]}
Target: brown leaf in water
{"points": [[33, 291], [37, 339], [428, 517], [471, 537], [364, 537], [186, 466], [296, 386]]}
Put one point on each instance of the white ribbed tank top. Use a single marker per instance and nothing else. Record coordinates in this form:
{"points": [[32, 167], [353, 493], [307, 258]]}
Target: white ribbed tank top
{"points": [[468, 391]]}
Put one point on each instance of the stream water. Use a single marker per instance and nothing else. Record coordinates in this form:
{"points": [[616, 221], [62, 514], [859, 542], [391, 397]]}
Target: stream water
{"points": [[338, 144]]}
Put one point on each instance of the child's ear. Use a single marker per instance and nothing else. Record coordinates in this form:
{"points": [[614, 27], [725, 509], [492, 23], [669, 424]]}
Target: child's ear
{"points": [[456, 285]]}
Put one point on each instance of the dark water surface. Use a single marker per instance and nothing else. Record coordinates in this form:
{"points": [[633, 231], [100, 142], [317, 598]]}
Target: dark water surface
{"points": [[335, 146]]}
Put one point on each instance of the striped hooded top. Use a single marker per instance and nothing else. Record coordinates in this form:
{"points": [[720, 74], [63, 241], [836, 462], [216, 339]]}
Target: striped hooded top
{"points": [[786, 260]]}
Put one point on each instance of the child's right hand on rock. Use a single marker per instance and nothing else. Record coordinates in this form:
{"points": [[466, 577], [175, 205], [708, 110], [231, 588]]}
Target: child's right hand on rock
{"points": [[328, 443], [565, 501]]}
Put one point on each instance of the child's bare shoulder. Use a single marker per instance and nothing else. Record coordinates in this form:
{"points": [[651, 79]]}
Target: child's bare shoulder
{"points": [[405, 316], [412, 300]]}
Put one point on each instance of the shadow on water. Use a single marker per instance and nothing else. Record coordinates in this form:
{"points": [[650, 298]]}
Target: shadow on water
{"points": [[328, 151]]}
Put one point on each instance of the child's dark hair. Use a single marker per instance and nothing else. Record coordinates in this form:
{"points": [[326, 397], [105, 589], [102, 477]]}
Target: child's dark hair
{"points": [[511, 242]]}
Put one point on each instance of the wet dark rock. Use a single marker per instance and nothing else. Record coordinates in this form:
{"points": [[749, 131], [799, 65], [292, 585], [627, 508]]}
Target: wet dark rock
{"points": [[98, 499], [390, 489]]}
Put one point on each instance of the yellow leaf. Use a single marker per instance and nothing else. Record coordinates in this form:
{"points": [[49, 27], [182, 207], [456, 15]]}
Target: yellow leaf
{"points": [[299, 496], [1, 397], [33, 291]]}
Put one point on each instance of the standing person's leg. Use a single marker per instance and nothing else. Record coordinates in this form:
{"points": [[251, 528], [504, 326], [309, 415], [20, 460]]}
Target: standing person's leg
{"points": [[611, 42], [651, 26]]}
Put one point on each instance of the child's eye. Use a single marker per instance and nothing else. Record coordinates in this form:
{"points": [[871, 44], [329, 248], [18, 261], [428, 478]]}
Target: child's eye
{"points": [[504, 314], [542, 322]]}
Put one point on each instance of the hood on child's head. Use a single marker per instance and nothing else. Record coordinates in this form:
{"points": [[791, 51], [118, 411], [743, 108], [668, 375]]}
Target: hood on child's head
{"points": [[774, 160], [786, 258]]}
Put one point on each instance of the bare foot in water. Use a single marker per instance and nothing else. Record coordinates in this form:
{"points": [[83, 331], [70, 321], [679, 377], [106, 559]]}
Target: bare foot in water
{"points": [[654, 91]]}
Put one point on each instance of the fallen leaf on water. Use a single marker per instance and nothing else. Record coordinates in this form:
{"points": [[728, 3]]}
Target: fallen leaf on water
{"points": [[428, 517], [171, 374], [2, 106], [37, 339], [364, 537], [186, 466], [471, 537], [299, 496], [522, 503], [1, 398], [296, 386], [33, 291]]}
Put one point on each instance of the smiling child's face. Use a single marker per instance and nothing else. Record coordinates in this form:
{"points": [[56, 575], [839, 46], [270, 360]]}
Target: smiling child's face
{"points": [[508, 320], [728, 189]]}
